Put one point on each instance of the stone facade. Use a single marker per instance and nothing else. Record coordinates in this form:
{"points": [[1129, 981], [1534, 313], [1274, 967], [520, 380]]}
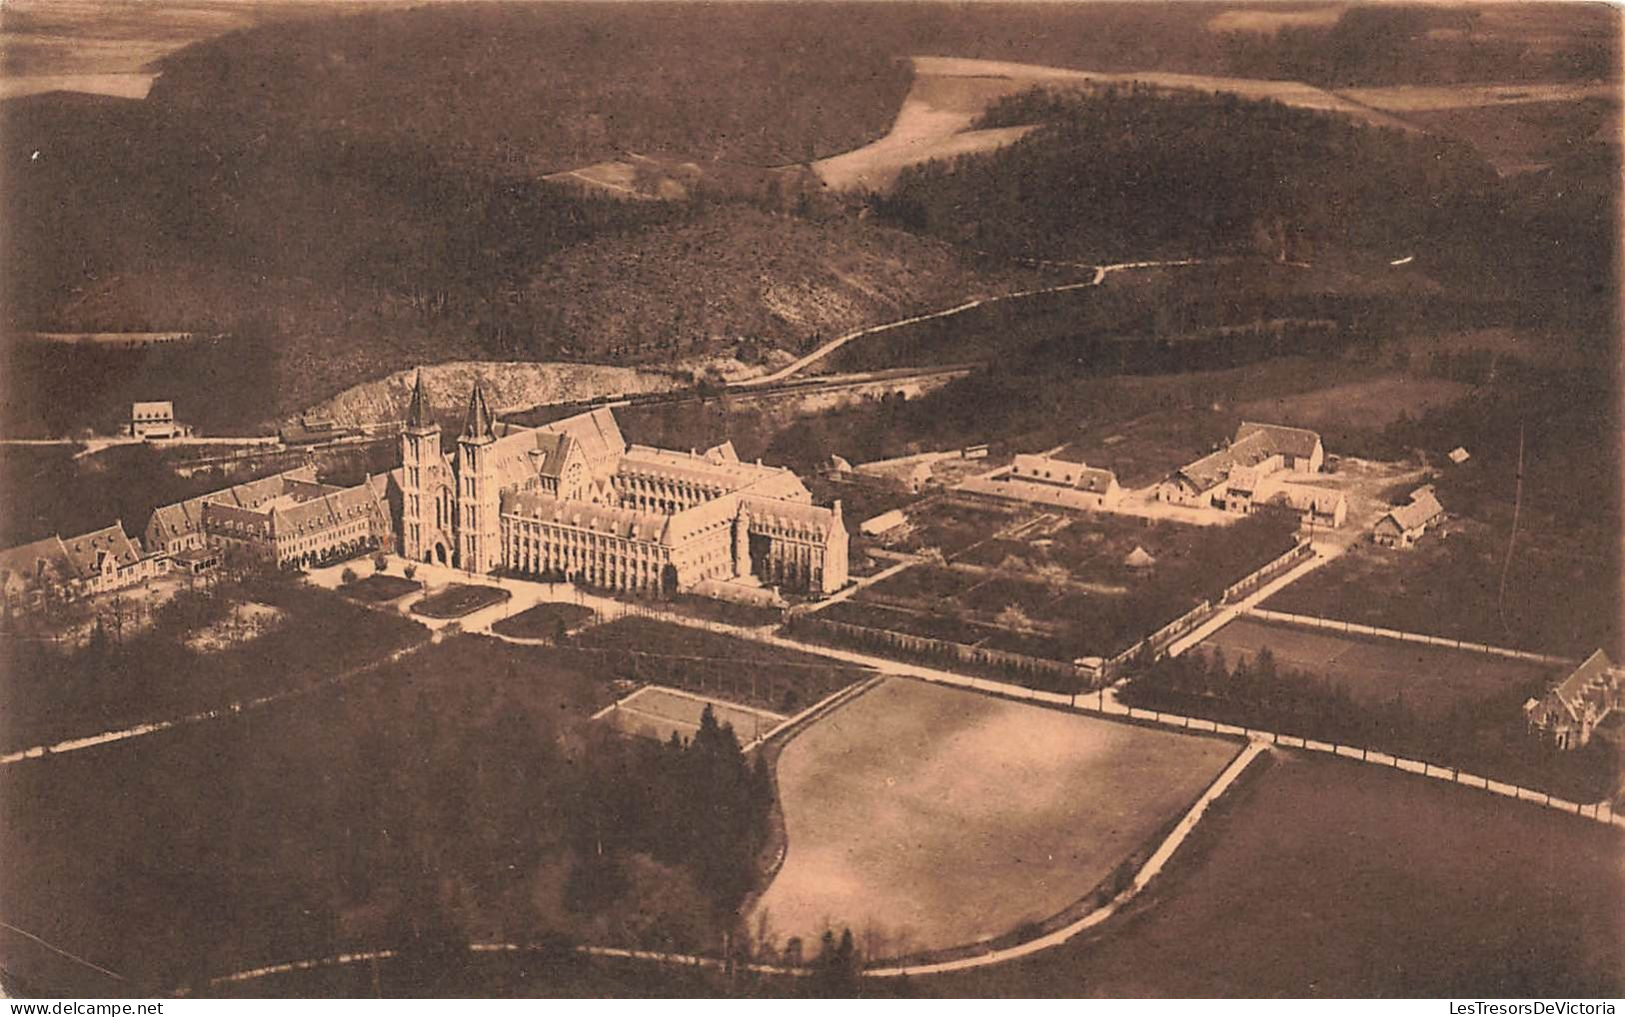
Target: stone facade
{"points": [[573, 500], [289, 519], [66, 568]]}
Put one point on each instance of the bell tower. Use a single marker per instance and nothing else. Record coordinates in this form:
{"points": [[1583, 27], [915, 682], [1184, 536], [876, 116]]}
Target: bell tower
{"points": [[478, 522], [420, 454]]}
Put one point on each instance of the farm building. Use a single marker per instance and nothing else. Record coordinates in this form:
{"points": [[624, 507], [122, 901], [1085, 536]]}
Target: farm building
{"points": [[1571, 710], [1404, 524], [1063, 479], [153, 420], [1230, 477], [1316, 506], [66, 568]]}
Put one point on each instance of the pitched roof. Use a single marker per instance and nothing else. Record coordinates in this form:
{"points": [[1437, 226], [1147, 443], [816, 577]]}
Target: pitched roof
{"points": [[44, 556], [1291, 441], [792, 515], [626, 523], [85, 550], [163, 409], [1417, 512], [186, 517], [1587, 685], [597, 432], [328, 506]]}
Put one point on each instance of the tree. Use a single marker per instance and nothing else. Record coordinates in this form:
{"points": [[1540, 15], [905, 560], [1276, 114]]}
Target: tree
{"points": [[348, 576]]}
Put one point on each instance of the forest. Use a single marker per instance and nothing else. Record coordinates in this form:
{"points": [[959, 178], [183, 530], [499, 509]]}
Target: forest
{"points": [[1141, 173]]}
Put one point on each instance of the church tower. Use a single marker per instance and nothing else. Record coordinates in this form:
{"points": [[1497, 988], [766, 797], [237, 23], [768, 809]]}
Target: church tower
{"points": [[478, 522], [420, 456]]}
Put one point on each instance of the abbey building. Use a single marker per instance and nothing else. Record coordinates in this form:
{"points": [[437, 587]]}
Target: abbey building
{"points": [[573, 500]]}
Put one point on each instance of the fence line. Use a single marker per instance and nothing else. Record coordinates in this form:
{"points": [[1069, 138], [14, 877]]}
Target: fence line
{"points": [[1602, 811], [1268, 571], [1313, 621]]}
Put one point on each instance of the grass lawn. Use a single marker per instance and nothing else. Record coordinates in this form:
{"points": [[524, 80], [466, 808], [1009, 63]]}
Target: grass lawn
{"points": [[924, 818], [543, 621], [379, 588], [713, 664], [291, 831], [459, 600], [1323, 877], [1430, 679]]}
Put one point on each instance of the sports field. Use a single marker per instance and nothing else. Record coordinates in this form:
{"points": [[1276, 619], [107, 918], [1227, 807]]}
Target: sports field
{"points": [[655, 712], [925, 817], [1429, 678]]}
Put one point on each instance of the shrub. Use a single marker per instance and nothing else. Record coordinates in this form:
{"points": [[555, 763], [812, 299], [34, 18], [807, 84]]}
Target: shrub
{"points": [[410, 572], [347, 576], [380, 563]]}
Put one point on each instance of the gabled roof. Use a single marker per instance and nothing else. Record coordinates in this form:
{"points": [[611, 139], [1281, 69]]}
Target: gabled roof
{"points": [[85, 550], [163, 409], [1290, 441], [186, 517], [1417, 512], [329, 507], [46, 556], [596, 431], [1587, 685]]}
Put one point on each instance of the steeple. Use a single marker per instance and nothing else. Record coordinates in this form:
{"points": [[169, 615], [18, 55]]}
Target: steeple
{"points": [[417, 411], [479, 424]]}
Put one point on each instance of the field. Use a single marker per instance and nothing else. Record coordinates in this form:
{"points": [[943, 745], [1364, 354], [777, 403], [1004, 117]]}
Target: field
{"points": [[1370, 403], [658, 713], [544, 621], [1321, 877], [459, 600], [925, 818], [1430, 679]]}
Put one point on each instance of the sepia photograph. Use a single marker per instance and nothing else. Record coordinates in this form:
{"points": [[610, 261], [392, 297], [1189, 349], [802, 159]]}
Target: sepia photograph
{"points": [[796, 499]]}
